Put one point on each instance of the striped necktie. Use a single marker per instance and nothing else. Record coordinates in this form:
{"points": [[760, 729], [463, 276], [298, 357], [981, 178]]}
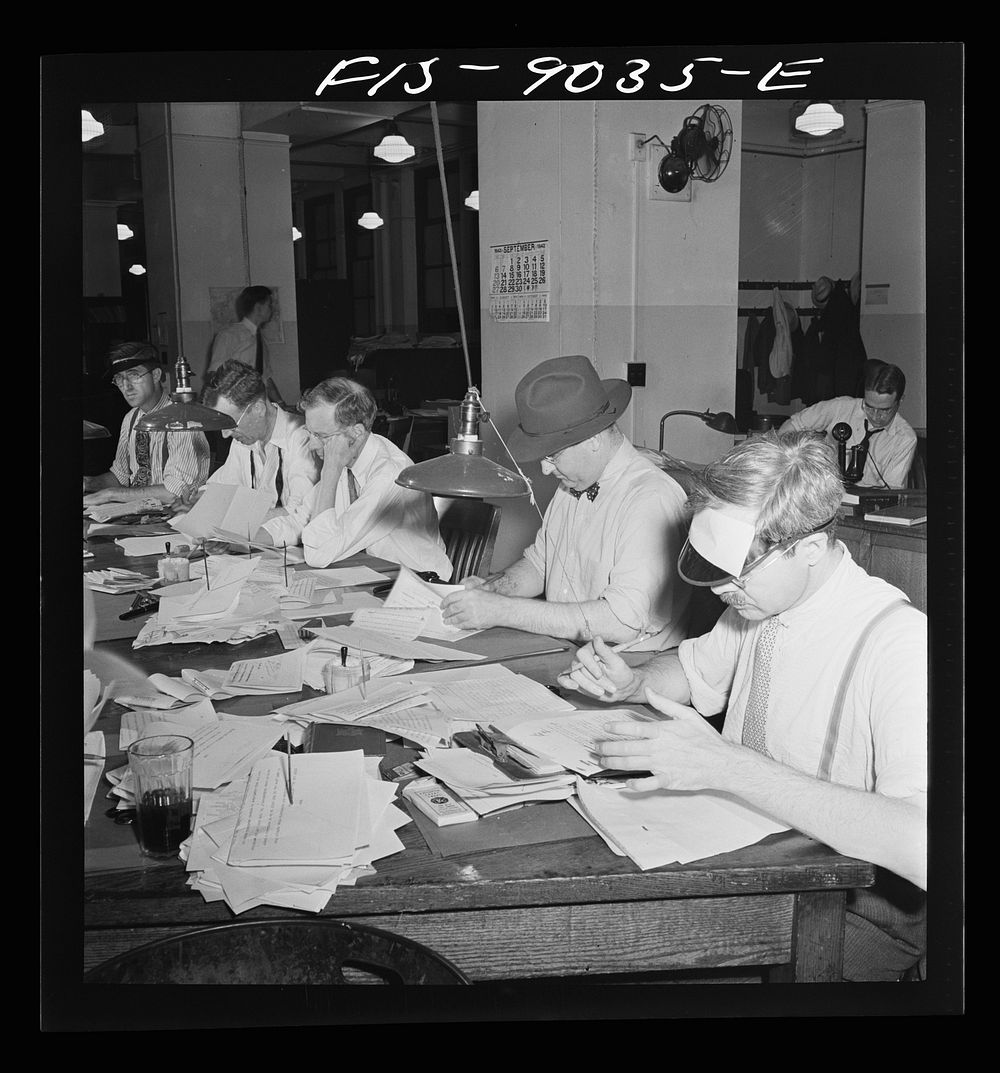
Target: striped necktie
{"points": [[755, 716]]}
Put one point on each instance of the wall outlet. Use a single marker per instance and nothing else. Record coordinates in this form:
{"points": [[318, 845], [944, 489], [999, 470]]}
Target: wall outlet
{"points": [[635, 373], [636, 149]]}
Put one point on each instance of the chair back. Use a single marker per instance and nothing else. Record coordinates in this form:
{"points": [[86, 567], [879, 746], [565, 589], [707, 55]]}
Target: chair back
{"points": [[469, 529], [280, 952]]}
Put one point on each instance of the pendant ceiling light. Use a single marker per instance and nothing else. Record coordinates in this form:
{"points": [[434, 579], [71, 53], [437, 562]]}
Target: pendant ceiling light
{"points": [[137, 270], [124, 232], [472, 201], [394, 148], [464, 471], [92, 128], [818, 119], [184, 414], [370, 221]]}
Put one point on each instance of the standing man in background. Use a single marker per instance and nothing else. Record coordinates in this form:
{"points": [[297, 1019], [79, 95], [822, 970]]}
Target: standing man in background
{"points": [[244, 341]]}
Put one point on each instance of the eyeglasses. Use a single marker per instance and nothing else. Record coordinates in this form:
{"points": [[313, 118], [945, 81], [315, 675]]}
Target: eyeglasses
{"points": [[552, 459], [121, 379], [324, 436], [879, 411], [769, 558]]}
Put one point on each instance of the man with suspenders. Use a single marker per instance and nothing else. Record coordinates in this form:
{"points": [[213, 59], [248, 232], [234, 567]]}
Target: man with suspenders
{"points": [[270, 450], [821, 670], [162, 466]]}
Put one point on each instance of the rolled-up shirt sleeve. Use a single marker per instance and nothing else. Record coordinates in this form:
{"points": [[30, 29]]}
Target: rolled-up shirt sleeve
{"points": [[709, 663], [378, 511], [188, 461]]}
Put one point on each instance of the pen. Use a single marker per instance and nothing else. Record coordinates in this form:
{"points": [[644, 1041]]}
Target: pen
{"points": [[288, 773], [517, 655], [364, 675], [284, 564], [624, 646]]}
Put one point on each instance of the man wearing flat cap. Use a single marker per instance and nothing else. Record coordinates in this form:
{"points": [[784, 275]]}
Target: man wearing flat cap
{"points": [[147, 465], [605, 554]]}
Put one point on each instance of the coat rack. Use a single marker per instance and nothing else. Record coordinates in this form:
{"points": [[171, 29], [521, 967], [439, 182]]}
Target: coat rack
{"points": [[782, 285]]}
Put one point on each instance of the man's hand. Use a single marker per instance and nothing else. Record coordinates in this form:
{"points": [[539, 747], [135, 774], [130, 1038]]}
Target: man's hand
{"points": [[105, 495], [685, 753], [338, 451], [473, 608], [601, 672]]}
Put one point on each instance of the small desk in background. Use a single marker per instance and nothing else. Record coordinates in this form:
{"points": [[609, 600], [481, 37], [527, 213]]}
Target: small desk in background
{"points": [[897, 553]]}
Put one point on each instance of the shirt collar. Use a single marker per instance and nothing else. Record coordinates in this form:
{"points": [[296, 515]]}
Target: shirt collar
{"points": [[163, 400], [827, 594], [249, 324], [284, 425], [367, 457], [617, 462]]}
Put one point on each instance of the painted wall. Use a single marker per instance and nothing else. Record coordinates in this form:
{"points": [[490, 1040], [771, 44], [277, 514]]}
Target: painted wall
{"points": [[633, 279], [894, 272], [196, 166]]}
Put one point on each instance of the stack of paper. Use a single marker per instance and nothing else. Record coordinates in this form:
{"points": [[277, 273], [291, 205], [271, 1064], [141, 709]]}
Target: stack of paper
{"points": [[257, 847], [571, 740], [477, 780], [270, 674], [413, 593], [135, 723], [663, 827], [115, 580], [349, 706], [93, 767]]}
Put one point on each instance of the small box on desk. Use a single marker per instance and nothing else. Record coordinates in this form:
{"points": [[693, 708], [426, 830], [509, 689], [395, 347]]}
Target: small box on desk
{"points": [[858, 501]]}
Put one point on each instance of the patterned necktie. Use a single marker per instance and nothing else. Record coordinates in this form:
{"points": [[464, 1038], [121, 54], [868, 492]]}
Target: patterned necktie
{"points": [[352, 486], [755, 716], [862, 456], [258, 361], [142, 468], [590, 493]]}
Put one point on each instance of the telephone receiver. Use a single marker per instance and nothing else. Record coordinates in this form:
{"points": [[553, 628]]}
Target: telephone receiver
{"points": [[851, 470]]}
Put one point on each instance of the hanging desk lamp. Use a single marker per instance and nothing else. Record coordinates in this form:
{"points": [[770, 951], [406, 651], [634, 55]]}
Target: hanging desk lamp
{"points": [[465, 471], [184, 414]]}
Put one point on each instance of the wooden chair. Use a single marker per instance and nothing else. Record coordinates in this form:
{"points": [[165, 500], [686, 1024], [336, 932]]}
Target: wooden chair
{"points": [[469, 529], [280, 952]]}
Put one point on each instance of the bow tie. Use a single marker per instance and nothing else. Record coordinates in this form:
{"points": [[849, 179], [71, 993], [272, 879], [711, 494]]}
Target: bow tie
{"points": [[590, 493]]}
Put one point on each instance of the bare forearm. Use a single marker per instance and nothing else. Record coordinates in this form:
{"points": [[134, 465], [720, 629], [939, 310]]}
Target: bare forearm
{"points": [[664, 675], [890, 832], [574, 621], [519, 579], [326, 494]]}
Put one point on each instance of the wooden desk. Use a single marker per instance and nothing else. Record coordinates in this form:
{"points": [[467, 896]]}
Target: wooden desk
{"points": [[568, 909], [897, 553]]}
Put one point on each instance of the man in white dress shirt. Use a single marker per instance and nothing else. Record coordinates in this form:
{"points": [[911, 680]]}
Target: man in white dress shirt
{"points": [[163, 466], [888, 439], [244, 341], [356, 505], [271, 450], [821, 670], [605, 553]]}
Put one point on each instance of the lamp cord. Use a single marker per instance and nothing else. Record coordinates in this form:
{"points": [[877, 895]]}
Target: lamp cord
{"points": [[451, 238], [588, 629]]}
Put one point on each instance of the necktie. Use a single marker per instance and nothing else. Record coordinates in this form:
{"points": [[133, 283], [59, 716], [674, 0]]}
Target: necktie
{"points": [[142, 471], [352, 486], [590, 493], [755, 717], [258, 361]]}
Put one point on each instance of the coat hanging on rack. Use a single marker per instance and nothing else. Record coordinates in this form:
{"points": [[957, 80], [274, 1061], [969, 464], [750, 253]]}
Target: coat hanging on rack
{"points": [[777, 389], [833, 352]]}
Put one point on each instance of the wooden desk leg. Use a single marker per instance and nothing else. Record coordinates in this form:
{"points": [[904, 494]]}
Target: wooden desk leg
{"points": [[817, 940]]}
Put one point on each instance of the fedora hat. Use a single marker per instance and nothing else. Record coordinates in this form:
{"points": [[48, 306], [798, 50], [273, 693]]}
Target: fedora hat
{"points": [[562, 402]]}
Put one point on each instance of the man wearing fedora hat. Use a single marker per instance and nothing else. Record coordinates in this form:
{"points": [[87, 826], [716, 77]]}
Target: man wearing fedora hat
{"points": [[605, 554], [147, 465]]}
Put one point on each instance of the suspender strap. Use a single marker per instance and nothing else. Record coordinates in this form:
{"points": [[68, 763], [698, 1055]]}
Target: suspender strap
{"points": [[279, 480], [837, 711]]}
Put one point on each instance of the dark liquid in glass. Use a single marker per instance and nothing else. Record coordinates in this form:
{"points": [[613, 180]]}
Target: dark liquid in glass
{"points": [[164, 821]]}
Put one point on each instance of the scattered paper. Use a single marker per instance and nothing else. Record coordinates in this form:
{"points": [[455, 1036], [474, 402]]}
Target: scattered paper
{"points": [[234, 508], [345, 576], [571, 740], [270, 674], [134, 723], [410, 591], [93, 768], [405, 623], [370, 641]]}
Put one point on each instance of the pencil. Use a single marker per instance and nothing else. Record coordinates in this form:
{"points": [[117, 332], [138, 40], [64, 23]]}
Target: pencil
{"points": [[288, 772], [284, 564]]}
